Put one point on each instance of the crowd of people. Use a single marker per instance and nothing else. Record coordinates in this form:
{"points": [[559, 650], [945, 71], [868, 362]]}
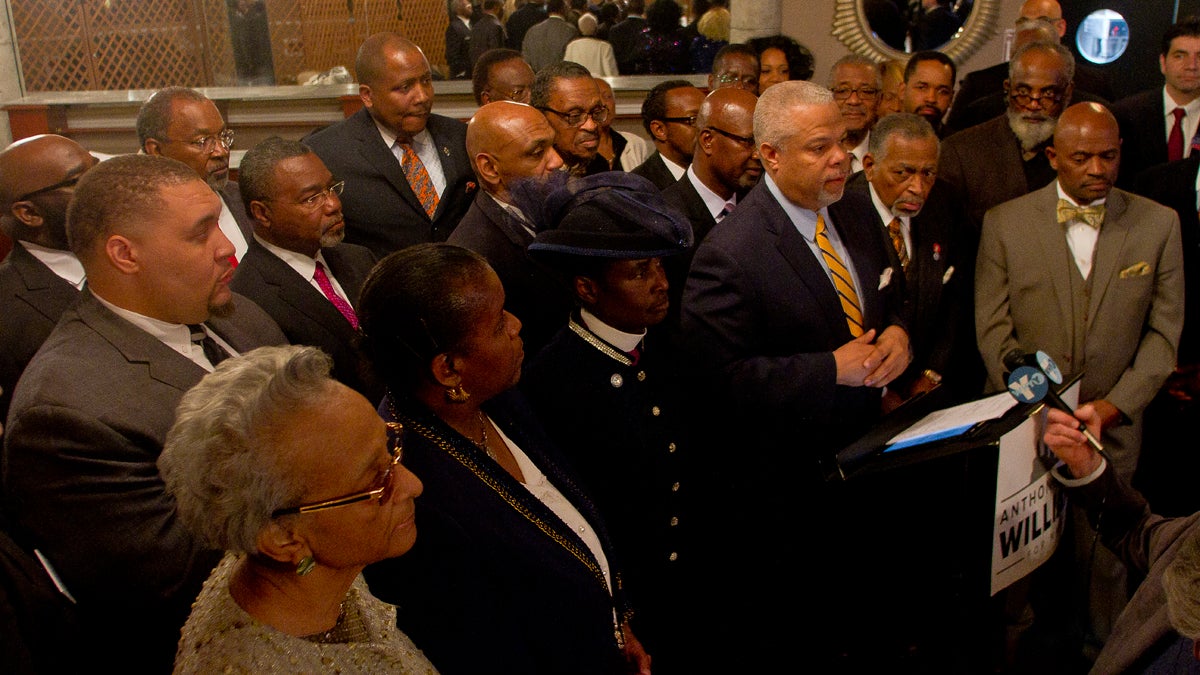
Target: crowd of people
{"points": [[533, 394]]}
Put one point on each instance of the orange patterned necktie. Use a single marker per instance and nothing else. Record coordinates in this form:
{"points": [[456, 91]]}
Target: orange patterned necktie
{"points": [[897, 236], [842, 280], [418, 179]]}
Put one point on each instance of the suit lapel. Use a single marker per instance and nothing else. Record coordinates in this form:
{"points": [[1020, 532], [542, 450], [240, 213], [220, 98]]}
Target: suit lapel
{"points": [[375, 151], [349, 276], [795, 250], [1113, 232], [1050, 241], [44, 290], [137, 346], [295, 290]]}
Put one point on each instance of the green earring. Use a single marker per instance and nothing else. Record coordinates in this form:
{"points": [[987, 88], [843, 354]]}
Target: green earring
{"points": [[305, 565]]}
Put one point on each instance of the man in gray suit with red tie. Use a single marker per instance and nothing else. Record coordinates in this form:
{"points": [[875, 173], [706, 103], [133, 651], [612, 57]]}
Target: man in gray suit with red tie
{"points": [[298, 268], [408, 179], [41, 278], [91, 411]]}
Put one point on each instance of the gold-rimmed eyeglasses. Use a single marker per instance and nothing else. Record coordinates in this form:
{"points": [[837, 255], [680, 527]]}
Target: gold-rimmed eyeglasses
{"points": [[207, 144], [380, 493]]}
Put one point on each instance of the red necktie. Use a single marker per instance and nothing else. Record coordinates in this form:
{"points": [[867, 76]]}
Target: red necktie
{"points": [[344, 307], [418, 179], [1175, 140]]}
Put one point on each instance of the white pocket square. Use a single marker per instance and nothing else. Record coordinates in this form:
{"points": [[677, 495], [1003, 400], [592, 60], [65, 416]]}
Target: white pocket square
{"points": [[949, 273], [885, 278]]}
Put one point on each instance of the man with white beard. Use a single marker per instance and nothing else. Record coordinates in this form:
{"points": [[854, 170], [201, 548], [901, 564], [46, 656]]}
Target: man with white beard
{"points": [[1004, 158]]}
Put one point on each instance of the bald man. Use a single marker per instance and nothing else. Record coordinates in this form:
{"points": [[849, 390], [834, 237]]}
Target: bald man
{"points": [[41, 278], [1099, 289], [509, 142], [1090, 84], [408, 179]]}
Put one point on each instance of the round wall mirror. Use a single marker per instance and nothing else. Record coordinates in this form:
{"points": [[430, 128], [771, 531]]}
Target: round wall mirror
{"points": [[879, 29], [1102, 37]]}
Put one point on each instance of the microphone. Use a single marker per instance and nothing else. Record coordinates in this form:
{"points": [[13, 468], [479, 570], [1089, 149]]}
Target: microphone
{"points": [[1027, 382]]}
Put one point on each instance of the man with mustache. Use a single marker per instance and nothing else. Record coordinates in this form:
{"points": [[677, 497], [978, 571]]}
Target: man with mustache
{"points": [[566, 93], [1092, 276], [1005, 157], [921, 218], [91, 412], [856, 84], [928, 87], [408, 179], [184, 124], [298, 268], [793, 322]]}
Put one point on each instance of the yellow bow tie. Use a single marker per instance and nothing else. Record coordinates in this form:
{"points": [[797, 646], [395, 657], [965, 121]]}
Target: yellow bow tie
{"points": [[1091, 215]]}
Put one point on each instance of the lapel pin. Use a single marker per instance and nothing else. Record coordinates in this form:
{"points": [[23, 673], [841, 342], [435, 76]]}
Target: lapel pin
{"points": [[937, 251]]}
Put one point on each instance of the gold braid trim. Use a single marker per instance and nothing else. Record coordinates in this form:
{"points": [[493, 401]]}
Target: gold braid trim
{"points": [[607, 349], [505, 494]]}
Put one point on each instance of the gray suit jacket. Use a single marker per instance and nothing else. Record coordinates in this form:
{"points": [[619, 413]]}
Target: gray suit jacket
{"points": [[1023, 299], [32, 297], [545, 43], [382, 211], [81, 484]]}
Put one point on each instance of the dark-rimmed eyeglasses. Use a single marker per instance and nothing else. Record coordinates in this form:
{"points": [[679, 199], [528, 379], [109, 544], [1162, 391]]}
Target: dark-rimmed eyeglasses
{"points": [[865, 93], [65, 183], [207, 144], [690, 120], [599, 115], [747, 141], [1023, 96], [380, 493]]}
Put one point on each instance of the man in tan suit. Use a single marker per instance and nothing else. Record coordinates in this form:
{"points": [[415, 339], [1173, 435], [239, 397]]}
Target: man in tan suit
{"points": [[1093, 276]]}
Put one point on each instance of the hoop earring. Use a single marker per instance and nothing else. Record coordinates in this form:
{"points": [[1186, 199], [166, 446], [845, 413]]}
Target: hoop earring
{"points": [[457, 394], [306, 565]]}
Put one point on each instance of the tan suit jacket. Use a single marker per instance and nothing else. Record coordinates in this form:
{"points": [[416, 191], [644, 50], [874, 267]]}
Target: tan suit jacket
{"points": [[1135, 310]]}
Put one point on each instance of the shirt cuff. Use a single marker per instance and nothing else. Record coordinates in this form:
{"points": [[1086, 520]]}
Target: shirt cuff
{"points": [[1060, 469]]}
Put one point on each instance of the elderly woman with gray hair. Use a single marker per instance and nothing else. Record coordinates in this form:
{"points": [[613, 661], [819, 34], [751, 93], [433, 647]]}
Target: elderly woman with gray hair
{"points": [[298, 479]]}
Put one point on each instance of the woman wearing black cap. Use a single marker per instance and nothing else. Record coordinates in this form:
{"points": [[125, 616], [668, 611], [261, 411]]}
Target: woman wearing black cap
{"points": [[514, 572]]}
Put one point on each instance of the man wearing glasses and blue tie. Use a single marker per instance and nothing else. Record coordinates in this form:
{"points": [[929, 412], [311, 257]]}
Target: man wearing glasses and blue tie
{"points": [[184, 124]]}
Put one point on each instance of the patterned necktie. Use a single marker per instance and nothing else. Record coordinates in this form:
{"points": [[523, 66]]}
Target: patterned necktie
{"points": [[213, 351], [898, 241], [344, 307], [1089, 215], [418, 178], [841, 280], [1175, 140]]}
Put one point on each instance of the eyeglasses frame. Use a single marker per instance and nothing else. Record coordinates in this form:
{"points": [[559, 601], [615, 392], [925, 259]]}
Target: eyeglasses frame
{"points": [[396, 432]]}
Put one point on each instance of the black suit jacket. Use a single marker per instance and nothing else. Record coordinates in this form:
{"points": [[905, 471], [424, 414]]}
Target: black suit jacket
{"points": [[1174, 185], [487, 33], [1143, 134], [304, 314], [526, 16], [533, 293], [382, 211], [32, 298], [81, 483], [458, 48], [654, 170], [683, 196], [626, 39], [939, 286]]}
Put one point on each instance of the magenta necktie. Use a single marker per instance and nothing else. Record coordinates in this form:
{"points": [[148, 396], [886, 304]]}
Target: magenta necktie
{"points": [[344, 307]]}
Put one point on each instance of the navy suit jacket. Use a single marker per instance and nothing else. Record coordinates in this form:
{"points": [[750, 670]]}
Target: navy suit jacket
{"points": [[761, 314], [533, 293], [497, 583], [81, 481], [1143, 134], [304, 314], [382, 211], [32, 298], [654, 170]]}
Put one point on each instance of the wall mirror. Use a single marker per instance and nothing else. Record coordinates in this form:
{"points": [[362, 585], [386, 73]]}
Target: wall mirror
{"points": [[880, 29]]}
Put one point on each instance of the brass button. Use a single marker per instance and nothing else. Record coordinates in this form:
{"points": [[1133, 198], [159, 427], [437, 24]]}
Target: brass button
{"points": [[656, 411], [641, 376], [671, 447], [674, 521], [675, 487], [616, 380], [674, 556]]}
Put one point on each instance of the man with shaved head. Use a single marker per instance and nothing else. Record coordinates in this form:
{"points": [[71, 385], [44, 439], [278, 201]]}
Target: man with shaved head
{"points": [[510, 143], [407, 176], [40, 278], [1092, 276]]}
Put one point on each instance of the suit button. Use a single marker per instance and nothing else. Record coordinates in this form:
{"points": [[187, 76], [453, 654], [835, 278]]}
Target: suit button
{"points": [[673, 557], [641, 376], [675, 487], [671, 447], [656, 411], [674, 521]]}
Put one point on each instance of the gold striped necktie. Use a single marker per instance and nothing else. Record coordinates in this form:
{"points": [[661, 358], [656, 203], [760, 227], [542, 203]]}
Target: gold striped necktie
{"points": [[842, 280]]}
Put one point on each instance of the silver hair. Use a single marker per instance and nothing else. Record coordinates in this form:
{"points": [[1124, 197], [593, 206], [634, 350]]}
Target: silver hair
{"points": [[856, 60], [905, 125], [773, 123], [1181, 585], [221, 461]]}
